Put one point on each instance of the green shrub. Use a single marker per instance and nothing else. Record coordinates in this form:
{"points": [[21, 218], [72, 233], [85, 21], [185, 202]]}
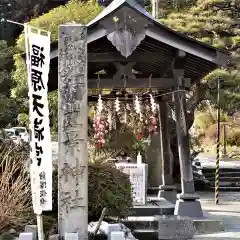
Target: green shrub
{"points": [[211, 132], [107, 187], [233, 138], [205, 119]]}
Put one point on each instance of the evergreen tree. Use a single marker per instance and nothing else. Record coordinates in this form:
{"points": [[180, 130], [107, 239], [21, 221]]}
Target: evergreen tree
{"points": [[22, 11], [8, 106], [215, 22]]}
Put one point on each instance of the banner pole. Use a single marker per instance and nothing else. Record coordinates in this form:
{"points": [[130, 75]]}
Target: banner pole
{"points": [[217, 174], [40, 227], [17, 23], [33, 170], [37, 49]]}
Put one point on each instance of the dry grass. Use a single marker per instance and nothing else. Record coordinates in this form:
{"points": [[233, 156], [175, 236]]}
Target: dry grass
{"points": [[233, 152], [15, 194]]}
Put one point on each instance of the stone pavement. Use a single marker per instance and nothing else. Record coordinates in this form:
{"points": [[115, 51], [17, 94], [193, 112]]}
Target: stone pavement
{"points": [[228, 210]]}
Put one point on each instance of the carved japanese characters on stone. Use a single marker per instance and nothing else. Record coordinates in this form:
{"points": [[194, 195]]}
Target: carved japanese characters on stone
{"points": [[76, 171], [73, 114], [72, 120]]}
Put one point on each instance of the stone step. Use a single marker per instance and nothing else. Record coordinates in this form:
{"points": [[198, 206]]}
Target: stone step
{"points": [[155, 206], [208, 225], [145, 234], [146, 223], [151, 211], [204, 225], [229, 235], [235, 226], [153, 191]]}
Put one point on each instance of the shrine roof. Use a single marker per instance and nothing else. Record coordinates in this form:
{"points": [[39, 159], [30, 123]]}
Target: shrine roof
{"points": [[116, 4], [153, 55]]}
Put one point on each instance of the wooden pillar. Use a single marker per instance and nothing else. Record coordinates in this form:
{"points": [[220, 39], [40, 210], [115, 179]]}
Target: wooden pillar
{"points": [[183, 136], [167, 190], [187, 204], [72, 131]]}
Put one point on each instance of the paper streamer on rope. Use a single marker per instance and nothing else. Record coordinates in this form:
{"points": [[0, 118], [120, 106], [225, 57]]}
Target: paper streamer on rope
{"points": [[38, 60]]}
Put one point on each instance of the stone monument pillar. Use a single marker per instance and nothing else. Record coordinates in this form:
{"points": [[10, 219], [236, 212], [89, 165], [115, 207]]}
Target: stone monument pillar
{"points": [[72, 132], [154, 162], [187, 205], [168, 191]]}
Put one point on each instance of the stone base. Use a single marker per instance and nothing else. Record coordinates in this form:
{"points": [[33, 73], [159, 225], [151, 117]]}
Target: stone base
{"points": [[175, 227], [71, 236], [206, 225], [26, 236], [189, 208], [97, 237], [54, 237], [155, 206], [144, 227], [32, 229], [169, 195], [188, 196], [117, 236]]}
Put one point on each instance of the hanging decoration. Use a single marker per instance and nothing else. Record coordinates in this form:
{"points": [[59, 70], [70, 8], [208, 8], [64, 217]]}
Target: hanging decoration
{"points": [[99, 125], [109, 120], [153, 104], [117, 105], [119, 111], [109, 115], [137, 105], [153, 119], [125, 116], [140, 114], [139, 128], [99, 104]]}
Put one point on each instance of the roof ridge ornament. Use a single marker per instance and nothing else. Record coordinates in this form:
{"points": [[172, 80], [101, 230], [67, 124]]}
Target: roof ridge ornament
{"points": [[126, 40]]}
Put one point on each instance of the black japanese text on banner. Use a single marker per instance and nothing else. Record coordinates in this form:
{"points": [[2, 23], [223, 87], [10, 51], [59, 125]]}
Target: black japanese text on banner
{"points": [[41, 155]]}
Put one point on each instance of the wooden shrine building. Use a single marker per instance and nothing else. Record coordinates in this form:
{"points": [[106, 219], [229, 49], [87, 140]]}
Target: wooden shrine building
{"points": [[125, 37], [131, 50]]}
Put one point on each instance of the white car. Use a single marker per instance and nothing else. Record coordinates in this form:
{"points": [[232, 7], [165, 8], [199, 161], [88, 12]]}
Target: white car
{"points": [[14, 135], [23, 133]]}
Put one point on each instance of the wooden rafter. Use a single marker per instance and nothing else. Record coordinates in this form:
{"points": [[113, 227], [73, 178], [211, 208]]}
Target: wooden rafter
{"points": [[159, 83], [135, 57]]}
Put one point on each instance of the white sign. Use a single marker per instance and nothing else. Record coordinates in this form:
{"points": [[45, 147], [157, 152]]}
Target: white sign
{"points": [[138, 178], [38, 60]]}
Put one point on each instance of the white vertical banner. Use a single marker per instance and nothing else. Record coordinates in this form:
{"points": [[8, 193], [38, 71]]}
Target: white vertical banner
{"points": [[38, 61]]}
